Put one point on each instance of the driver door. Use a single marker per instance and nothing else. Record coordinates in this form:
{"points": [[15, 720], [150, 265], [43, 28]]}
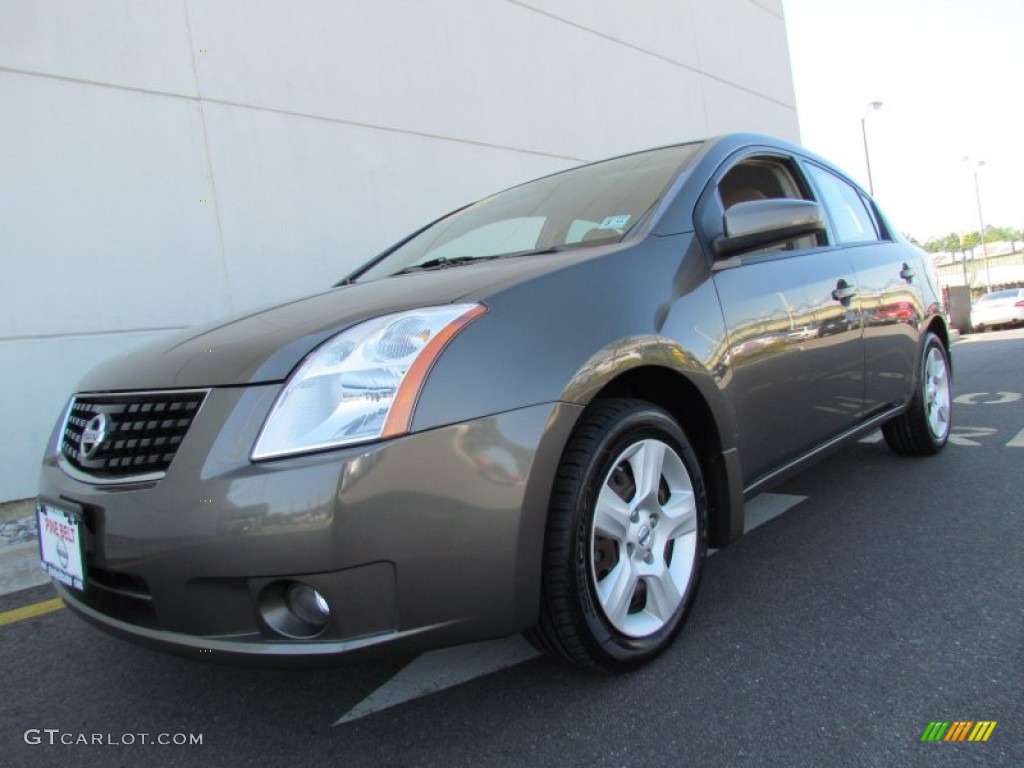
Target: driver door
{"points": [[795, 336]]}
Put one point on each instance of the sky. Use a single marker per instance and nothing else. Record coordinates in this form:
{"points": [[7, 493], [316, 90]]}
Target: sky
{"points": [[950, 76]]}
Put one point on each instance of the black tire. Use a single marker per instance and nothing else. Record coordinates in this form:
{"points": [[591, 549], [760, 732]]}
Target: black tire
{"points": [[573, 625], [921, 430]]}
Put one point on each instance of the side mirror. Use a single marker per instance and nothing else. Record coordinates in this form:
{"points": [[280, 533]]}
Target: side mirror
{"points": [[759, 223]]}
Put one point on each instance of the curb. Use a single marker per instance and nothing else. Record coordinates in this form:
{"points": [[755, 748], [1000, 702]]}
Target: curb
{"points": [[19, 568], [13, 510], [19, 549]]}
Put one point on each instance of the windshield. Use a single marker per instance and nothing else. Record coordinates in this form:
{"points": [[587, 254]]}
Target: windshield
{"points": [[997, 295], [591, 205]]}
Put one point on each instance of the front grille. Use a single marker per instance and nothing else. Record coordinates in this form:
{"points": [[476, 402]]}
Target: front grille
{"points": [[129, 435]]}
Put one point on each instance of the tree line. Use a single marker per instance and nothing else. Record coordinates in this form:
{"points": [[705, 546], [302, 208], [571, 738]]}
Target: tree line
{"points": [[952, 241]]}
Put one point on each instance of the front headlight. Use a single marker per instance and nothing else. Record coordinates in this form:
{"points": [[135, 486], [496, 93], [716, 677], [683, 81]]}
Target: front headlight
{"points": [[362, 384]]}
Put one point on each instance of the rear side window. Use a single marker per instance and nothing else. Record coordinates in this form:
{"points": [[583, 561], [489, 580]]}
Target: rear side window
{"points": [[851, 220]]}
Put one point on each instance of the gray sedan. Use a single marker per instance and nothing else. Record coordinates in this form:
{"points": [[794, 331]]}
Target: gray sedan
{"points": [[534, 414]]}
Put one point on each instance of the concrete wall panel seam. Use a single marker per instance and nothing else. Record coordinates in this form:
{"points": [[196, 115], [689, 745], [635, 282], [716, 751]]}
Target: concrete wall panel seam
{"points": [[211, 180], [667, 59]]}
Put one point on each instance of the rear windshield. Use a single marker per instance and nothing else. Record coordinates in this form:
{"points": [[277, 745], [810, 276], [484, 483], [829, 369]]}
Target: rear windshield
{"points": [[591, 205]]}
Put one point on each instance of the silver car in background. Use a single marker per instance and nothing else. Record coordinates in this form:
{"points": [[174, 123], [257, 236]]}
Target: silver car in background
{"points": [[998, 308]]}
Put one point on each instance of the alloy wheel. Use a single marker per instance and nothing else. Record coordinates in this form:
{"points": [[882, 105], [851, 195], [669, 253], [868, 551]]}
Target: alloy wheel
{"points": [[643, 544]]}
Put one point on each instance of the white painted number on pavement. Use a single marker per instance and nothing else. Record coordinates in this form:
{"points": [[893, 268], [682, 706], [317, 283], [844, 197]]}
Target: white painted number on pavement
{"points": [[963, 435], [987, 398]]}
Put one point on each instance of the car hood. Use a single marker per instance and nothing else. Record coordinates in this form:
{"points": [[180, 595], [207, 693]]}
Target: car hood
{"points": [[264, 345]]}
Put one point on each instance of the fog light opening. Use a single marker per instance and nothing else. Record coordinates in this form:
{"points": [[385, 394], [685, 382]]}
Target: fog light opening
{"points": [[308, 604], [294, 609]]}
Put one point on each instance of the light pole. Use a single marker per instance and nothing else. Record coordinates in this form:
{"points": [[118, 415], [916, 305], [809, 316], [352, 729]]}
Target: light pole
{"points": [[975, 167], [872, 107]]}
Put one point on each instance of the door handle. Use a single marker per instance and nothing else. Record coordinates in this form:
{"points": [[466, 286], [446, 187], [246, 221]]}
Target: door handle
{"points": [[844, 291], [907, 273]]}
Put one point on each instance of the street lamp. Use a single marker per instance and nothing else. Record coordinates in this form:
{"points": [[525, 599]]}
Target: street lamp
{"points": [[977, 165], [872, 107]]}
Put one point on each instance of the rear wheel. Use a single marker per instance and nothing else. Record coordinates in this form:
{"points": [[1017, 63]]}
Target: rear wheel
{"points": [[625, 539], [923, 428]]}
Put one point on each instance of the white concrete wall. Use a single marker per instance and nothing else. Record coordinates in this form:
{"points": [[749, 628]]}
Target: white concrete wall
{"points": [[168, 161]]}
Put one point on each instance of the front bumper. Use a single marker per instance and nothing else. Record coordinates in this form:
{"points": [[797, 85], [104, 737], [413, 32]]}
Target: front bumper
{"points": [[426, 540]]}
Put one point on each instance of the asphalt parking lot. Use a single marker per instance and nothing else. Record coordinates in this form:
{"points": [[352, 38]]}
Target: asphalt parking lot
{"points": [[888, 594]]}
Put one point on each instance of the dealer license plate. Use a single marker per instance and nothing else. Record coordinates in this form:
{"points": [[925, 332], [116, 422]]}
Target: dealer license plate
{"points": [[60, 545]]}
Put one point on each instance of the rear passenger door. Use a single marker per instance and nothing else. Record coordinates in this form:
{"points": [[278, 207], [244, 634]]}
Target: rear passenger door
{"points": [[797, 357], [888, 288]]}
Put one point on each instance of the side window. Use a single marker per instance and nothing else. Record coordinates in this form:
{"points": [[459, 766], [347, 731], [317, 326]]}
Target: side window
{"points": [[851, 220], [764, 178], [757, 179], [876, 220]]}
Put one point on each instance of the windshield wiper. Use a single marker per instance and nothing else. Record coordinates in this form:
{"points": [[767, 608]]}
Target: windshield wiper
{"points": [[441, 262], [536, 252]]}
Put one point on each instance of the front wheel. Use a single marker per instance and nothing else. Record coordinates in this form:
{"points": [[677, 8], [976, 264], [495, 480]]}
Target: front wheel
{"points": [[626, 539], [922, 430]]}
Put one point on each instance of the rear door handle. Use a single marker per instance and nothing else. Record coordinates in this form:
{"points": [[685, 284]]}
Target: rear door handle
{"points": [[844, 291], [907, 273]]}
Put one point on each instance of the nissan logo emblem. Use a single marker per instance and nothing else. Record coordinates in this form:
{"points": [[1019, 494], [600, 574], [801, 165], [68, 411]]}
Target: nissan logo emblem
{"points": [[62, 553], [93, 435]]}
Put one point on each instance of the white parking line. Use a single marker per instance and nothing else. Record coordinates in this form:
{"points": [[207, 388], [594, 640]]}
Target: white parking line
{"points": [[766, 506], [434, 671]]}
